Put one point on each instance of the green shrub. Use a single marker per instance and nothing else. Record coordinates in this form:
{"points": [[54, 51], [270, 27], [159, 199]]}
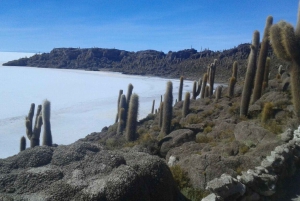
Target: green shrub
{"points": [[194, 194], [207, 129], [243, 149], [203, 139], [180, 176]]}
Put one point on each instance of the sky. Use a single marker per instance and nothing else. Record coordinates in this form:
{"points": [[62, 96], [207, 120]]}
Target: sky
{"points": [[133, 25]]}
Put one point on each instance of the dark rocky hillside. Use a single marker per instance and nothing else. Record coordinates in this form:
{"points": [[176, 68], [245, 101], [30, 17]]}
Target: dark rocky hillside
{"points": [[189, 62]]}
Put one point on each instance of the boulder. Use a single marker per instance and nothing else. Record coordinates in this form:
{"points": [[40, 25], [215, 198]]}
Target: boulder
{"points": [[175, 139]]}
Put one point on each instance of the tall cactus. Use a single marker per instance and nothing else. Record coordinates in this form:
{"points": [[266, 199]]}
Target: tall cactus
{"points": [[22, 143], [161, 109], [232, 82], [167, 110], [251, 68], [118, 109], [153, 105], [235, 69], [218, 93], [180, 89], [212, 77], [259, 76], [285, 42], [186, 104], [204, 83], [47, 135], [131, 124], [33, 134], [122, 115]]}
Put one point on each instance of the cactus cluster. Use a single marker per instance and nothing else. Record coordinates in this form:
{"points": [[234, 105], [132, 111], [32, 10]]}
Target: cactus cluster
{"points": [[197, 88], [285, 42], [128, 113], [33, 131]]}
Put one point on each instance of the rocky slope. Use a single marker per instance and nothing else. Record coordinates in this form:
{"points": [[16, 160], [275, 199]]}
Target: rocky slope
{"points": [[189, 62]]}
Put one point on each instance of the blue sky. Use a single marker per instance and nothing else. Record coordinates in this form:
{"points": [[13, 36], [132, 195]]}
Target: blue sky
{"points": [[163, 25]]}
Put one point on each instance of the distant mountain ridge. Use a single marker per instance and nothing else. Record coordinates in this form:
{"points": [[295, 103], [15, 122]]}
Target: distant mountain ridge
{"points": [[188, 62]]}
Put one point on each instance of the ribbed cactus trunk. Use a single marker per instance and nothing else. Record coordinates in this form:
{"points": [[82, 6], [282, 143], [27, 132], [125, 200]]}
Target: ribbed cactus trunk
{"points": [[128, 96], [131, 124], [218, 93], [259, 76], [204, 83], [212, 77], [285, 43], [22, 143], [161, 109], [251, 69], [47, 135], [232, 82], [186, 105], [235, 69], [167, 110], [180, 89], [153, 104], [118, 104], [122, 115]]}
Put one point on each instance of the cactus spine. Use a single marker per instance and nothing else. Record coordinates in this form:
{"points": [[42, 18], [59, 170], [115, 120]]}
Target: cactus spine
{"points": [[285, 42], [251, 68], [180, 89], [167, 110], [131, 124], [204, 83], [259, 76], [22, 143], [186, 104], [33, 134], [47, 136]]}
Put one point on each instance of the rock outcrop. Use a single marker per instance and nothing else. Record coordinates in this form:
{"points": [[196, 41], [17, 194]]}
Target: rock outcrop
{"points": [[189, 62], [85, 171]]}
